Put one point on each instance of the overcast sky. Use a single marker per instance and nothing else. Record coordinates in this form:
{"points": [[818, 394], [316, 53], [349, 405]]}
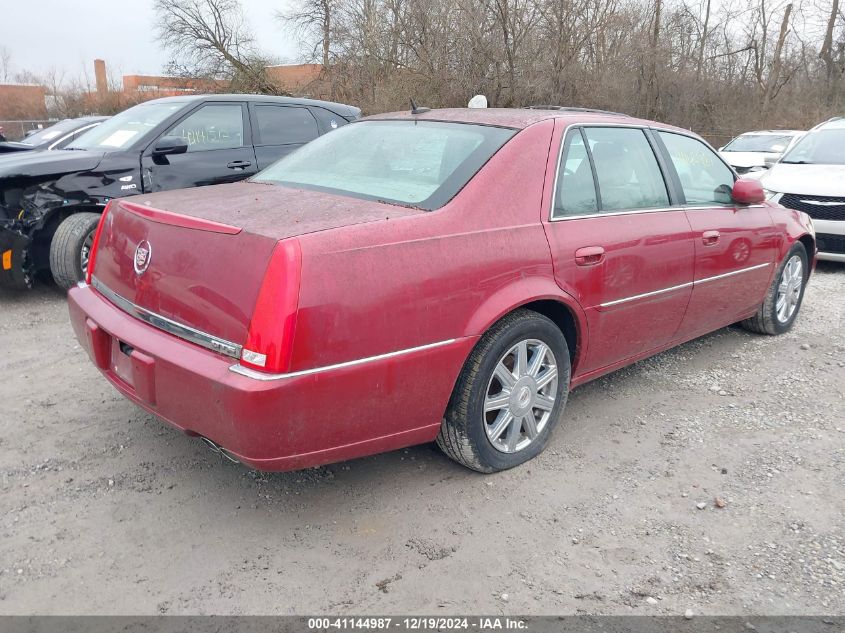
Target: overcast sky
{"points": [[70, 34]]}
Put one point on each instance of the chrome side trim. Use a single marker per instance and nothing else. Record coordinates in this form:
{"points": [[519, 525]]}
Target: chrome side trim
{"points": [[733, 272], [645, 294], [569, 218], [258, 375], [686, 285], [185, 332]]}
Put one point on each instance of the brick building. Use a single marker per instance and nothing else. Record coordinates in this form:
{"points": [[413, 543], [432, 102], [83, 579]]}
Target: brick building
{"points": [[22, 102]]}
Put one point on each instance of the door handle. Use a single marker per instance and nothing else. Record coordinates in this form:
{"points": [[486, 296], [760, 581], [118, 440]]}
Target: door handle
{"points": [[239, 164], [589, 255], [710, 237]]}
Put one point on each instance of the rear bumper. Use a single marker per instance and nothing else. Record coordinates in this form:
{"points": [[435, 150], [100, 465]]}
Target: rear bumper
{"points": [[283, 424]]}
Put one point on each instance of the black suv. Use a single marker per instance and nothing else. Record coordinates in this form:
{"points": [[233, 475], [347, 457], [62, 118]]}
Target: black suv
{"points": [[50, 202]]}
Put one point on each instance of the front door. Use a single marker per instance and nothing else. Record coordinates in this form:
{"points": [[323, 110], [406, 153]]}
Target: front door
{"points": [[735, 245], [619, 245], [219, 150]]}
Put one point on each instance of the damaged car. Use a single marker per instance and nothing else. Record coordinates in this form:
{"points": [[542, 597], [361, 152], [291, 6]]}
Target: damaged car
{"points": [[51, 202]]}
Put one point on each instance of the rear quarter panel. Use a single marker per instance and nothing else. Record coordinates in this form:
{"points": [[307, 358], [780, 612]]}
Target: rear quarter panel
{"points": [[396, 284]]}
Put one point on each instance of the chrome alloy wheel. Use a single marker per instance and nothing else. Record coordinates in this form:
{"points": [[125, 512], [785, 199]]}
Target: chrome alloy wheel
{"points": [[85, 253], [520, 396], [789, 289]]}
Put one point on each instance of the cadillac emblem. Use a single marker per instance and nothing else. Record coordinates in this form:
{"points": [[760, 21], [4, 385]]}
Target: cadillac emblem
{"points": [[143, 254]]}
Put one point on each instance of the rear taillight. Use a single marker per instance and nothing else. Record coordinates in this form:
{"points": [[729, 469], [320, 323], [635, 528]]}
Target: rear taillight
{"points": [[270, 339], [92, 256]]}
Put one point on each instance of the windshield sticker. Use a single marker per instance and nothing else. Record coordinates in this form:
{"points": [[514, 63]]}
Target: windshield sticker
{"points": [[119, 138]]}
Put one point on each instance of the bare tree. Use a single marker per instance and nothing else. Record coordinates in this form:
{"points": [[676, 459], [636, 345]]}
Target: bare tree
{"points": [[211, 39], [5, 64], [314, 20]]}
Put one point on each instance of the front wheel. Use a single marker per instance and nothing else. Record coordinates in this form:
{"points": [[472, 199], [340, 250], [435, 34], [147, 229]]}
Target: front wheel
{"points": [[509, 395], [71, 248], [783, 300]]}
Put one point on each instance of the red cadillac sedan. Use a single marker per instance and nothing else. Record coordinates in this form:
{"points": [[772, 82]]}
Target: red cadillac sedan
{"points": [[448, 275]]}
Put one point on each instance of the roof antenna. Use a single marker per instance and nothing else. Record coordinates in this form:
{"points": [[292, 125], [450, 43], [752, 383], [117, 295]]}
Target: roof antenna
{"points": [[416, 110]]}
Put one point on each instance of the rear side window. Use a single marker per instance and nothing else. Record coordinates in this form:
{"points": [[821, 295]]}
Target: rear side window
{"points": [[628, 174], [285, 125], [705, 179], [576, 189], [212, 127]]}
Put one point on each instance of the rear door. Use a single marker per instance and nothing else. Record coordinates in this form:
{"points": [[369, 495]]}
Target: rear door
{"points": [[735, 245], [219, 150], [619, 244], [280, 129]]}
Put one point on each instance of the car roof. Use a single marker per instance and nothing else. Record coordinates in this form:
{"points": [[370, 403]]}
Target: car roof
{"points": [[341, 108], [519, 118]]}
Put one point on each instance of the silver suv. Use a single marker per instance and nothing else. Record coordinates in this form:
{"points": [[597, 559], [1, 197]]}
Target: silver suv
{"points": [[810, 177]]}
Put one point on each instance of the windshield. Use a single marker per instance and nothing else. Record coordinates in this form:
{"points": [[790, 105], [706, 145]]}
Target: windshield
{"points": [[825, 146], [773, 143], [50, 134], [127, 127], [416, 163]]}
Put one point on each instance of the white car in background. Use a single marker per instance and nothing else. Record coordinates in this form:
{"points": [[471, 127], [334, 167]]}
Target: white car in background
{"points": [[810, 177], [756, 151]]}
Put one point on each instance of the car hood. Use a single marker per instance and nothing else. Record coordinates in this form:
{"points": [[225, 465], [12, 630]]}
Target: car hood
{"points": [[29, 164], [816, 180], [10, 146], [747, 159]]}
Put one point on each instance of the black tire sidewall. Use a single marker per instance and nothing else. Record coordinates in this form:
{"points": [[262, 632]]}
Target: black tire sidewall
{"points": [[797, 249], [80, 226], [539, 328]]}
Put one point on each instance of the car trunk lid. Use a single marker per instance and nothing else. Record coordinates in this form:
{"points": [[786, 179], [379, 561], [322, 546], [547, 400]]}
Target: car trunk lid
{"points": [[196, 258]]}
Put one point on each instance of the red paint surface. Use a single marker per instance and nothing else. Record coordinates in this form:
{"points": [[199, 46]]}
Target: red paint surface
{"points": [[377, 278]]}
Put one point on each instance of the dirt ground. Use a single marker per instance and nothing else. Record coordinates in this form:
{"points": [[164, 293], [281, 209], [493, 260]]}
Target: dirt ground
{"points": [[106, 510]]}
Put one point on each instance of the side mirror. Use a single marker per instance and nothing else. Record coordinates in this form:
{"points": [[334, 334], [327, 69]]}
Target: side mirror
{"points": [[167, 145], [748, 191]]}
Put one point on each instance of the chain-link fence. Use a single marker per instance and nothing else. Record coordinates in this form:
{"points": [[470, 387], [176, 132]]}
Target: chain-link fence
{"points": [[16, 130]]}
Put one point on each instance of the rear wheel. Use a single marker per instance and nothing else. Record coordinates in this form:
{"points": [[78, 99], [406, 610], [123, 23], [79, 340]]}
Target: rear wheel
{"points": [[780, 308], [509, 395], [71, 248]]}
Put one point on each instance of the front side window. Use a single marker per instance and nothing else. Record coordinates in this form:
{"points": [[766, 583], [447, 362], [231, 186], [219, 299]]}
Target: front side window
{"points": [[416, 163], [705, 179], [285, 125], [212, 127], [628, 174], [576, 189]]}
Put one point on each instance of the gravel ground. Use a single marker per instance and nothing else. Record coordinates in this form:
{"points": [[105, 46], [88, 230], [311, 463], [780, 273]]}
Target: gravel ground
{"points": [[710, 478]]}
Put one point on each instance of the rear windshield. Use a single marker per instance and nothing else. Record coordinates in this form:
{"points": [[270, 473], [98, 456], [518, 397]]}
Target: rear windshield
{"points": [[124, 129], [825, 146], [774, 143], [421, 164]]}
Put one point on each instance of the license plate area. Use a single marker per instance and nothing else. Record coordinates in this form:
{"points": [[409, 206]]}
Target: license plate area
{"points": [[135, 369], [121, 361]]}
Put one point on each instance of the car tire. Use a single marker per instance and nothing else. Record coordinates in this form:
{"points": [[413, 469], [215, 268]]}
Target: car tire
{"points": [[774, 317], [475, 435], [68, 254]]}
